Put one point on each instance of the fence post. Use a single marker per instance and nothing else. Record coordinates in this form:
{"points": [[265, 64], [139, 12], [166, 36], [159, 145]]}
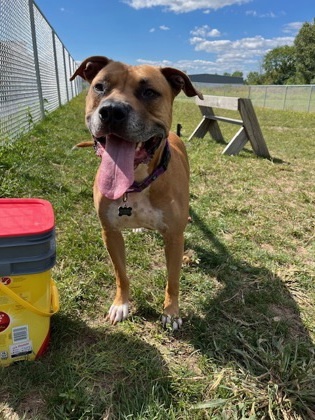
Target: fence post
{"points": [[36, 59], [65, 71], [71, 72], [56, 66], [309, 99], [265, 97], [285, 97]]}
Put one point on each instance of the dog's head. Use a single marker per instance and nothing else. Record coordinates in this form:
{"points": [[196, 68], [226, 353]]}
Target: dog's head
{"points": [[129, 108], [133, 102]]}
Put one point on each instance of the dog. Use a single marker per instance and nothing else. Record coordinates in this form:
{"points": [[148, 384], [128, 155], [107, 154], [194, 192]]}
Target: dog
{"points": [[143, 177]]}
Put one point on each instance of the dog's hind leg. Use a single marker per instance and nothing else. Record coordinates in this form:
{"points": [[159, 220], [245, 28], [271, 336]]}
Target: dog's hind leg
{"points": [[115, 245]]}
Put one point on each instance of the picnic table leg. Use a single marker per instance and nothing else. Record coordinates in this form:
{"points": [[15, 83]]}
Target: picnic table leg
{"points": [[208, 125], [252, 127], [237, 143], [201, 129]]}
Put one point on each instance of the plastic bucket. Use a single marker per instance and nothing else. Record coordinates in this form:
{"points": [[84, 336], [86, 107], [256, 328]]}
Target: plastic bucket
{"points": [[26, 305], [28, 295]]}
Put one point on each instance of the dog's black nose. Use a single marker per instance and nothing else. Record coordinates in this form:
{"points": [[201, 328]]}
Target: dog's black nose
{"points": [[114, 112]]}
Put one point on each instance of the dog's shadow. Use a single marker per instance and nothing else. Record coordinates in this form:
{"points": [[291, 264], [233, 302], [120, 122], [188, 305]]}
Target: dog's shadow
{"points": [[254, 323], [105, 374]]}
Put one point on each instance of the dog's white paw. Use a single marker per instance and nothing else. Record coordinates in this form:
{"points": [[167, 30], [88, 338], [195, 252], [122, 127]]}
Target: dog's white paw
{"points": [[172, 322], [118, 313]]}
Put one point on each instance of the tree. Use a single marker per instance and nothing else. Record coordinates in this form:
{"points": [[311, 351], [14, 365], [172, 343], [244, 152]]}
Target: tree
{"points": [[254, 78], [237, 73], [305, 52], [280, 65]]}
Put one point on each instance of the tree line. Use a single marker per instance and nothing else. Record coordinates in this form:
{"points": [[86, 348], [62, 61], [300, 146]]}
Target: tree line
{"points": [[288, 65]]}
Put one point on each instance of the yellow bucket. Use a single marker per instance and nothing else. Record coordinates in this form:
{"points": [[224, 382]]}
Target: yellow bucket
{"points": [[28, 295], [26, 304]]}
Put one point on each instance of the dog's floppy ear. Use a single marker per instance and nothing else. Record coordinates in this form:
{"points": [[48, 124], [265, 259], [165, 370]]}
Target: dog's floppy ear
{"points": [[89, 68], [180, 81]]}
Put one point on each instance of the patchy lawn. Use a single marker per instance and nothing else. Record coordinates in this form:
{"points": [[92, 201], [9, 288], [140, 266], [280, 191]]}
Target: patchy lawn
{"points": [[246, 349]]}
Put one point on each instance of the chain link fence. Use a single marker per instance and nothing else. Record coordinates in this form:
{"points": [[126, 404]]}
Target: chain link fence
{"points": [[35, 68], [288, 97]]}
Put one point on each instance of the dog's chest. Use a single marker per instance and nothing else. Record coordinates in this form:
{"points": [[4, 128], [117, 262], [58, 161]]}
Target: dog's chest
{"points": [[135, 211]]}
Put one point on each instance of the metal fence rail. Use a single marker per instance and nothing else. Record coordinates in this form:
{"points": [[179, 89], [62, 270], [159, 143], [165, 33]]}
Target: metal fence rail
{"points": [[288, 97], [35, 68]]}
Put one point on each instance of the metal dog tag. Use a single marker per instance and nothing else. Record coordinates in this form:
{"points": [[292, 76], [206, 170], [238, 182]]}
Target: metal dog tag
{"points": [[124, 210]]}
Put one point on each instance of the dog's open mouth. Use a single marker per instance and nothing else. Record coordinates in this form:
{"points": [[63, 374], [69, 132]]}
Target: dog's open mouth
{"points": [[119, 159], [144, 151]]}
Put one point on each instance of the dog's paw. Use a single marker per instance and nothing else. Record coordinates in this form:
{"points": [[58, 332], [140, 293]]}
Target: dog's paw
{"points": [[172, 322], [118, 313]]}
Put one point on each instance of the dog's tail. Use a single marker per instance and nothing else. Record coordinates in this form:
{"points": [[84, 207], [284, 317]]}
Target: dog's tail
{"points": [[83, 144]]}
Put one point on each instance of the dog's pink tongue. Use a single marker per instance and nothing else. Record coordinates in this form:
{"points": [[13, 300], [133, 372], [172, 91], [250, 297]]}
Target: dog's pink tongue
{"points": [[116, 173]]}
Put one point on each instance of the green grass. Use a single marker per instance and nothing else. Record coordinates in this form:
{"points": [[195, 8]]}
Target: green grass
{"points": [[246, 350]]}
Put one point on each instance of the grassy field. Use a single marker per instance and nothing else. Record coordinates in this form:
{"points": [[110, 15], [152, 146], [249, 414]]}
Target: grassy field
{"points": [[246, 350]]}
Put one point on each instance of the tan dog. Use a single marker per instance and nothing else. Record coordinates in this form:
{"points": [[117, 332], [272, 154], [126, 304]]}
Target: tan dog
{"points": [[143, 177]]}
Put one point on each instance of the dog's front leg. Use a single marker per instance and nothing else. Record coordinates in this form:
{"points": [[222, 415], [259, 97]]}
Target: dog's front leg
{"points": [[174, 249], [115, 245]]}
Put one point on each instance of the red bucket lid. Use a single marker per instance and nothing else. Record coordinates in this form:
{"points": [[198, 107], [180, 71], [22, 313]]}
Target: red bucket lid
{"points": [[25, 216]]}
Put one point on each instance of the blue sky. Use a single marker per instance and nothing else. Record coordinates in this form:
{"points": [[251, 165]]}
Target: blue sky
{"points": [[197, 36]]}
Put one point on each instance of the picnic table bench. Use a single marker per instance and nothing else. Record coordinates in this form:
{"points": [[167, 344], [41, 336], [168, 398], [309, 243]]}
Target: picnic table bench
{"points": [[249, 131]]}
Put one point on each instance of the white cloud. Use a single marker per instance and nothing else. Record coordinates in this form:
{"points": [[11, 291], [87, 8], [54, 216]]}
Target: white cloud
{"points": [[254, 13], [161, 28], [292, 28], [200, 66], [205, 31], [184, 6], [222, 55], [214, 33], [251, 13], [190, 66], [225, 55], [162, 63], [246, 46], [241, 54]]}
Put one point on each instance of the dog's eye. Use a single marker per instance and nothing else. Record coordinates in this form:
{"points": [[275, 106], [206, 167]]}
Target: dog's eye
{"points": [[99, 88], [149, 93]]}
